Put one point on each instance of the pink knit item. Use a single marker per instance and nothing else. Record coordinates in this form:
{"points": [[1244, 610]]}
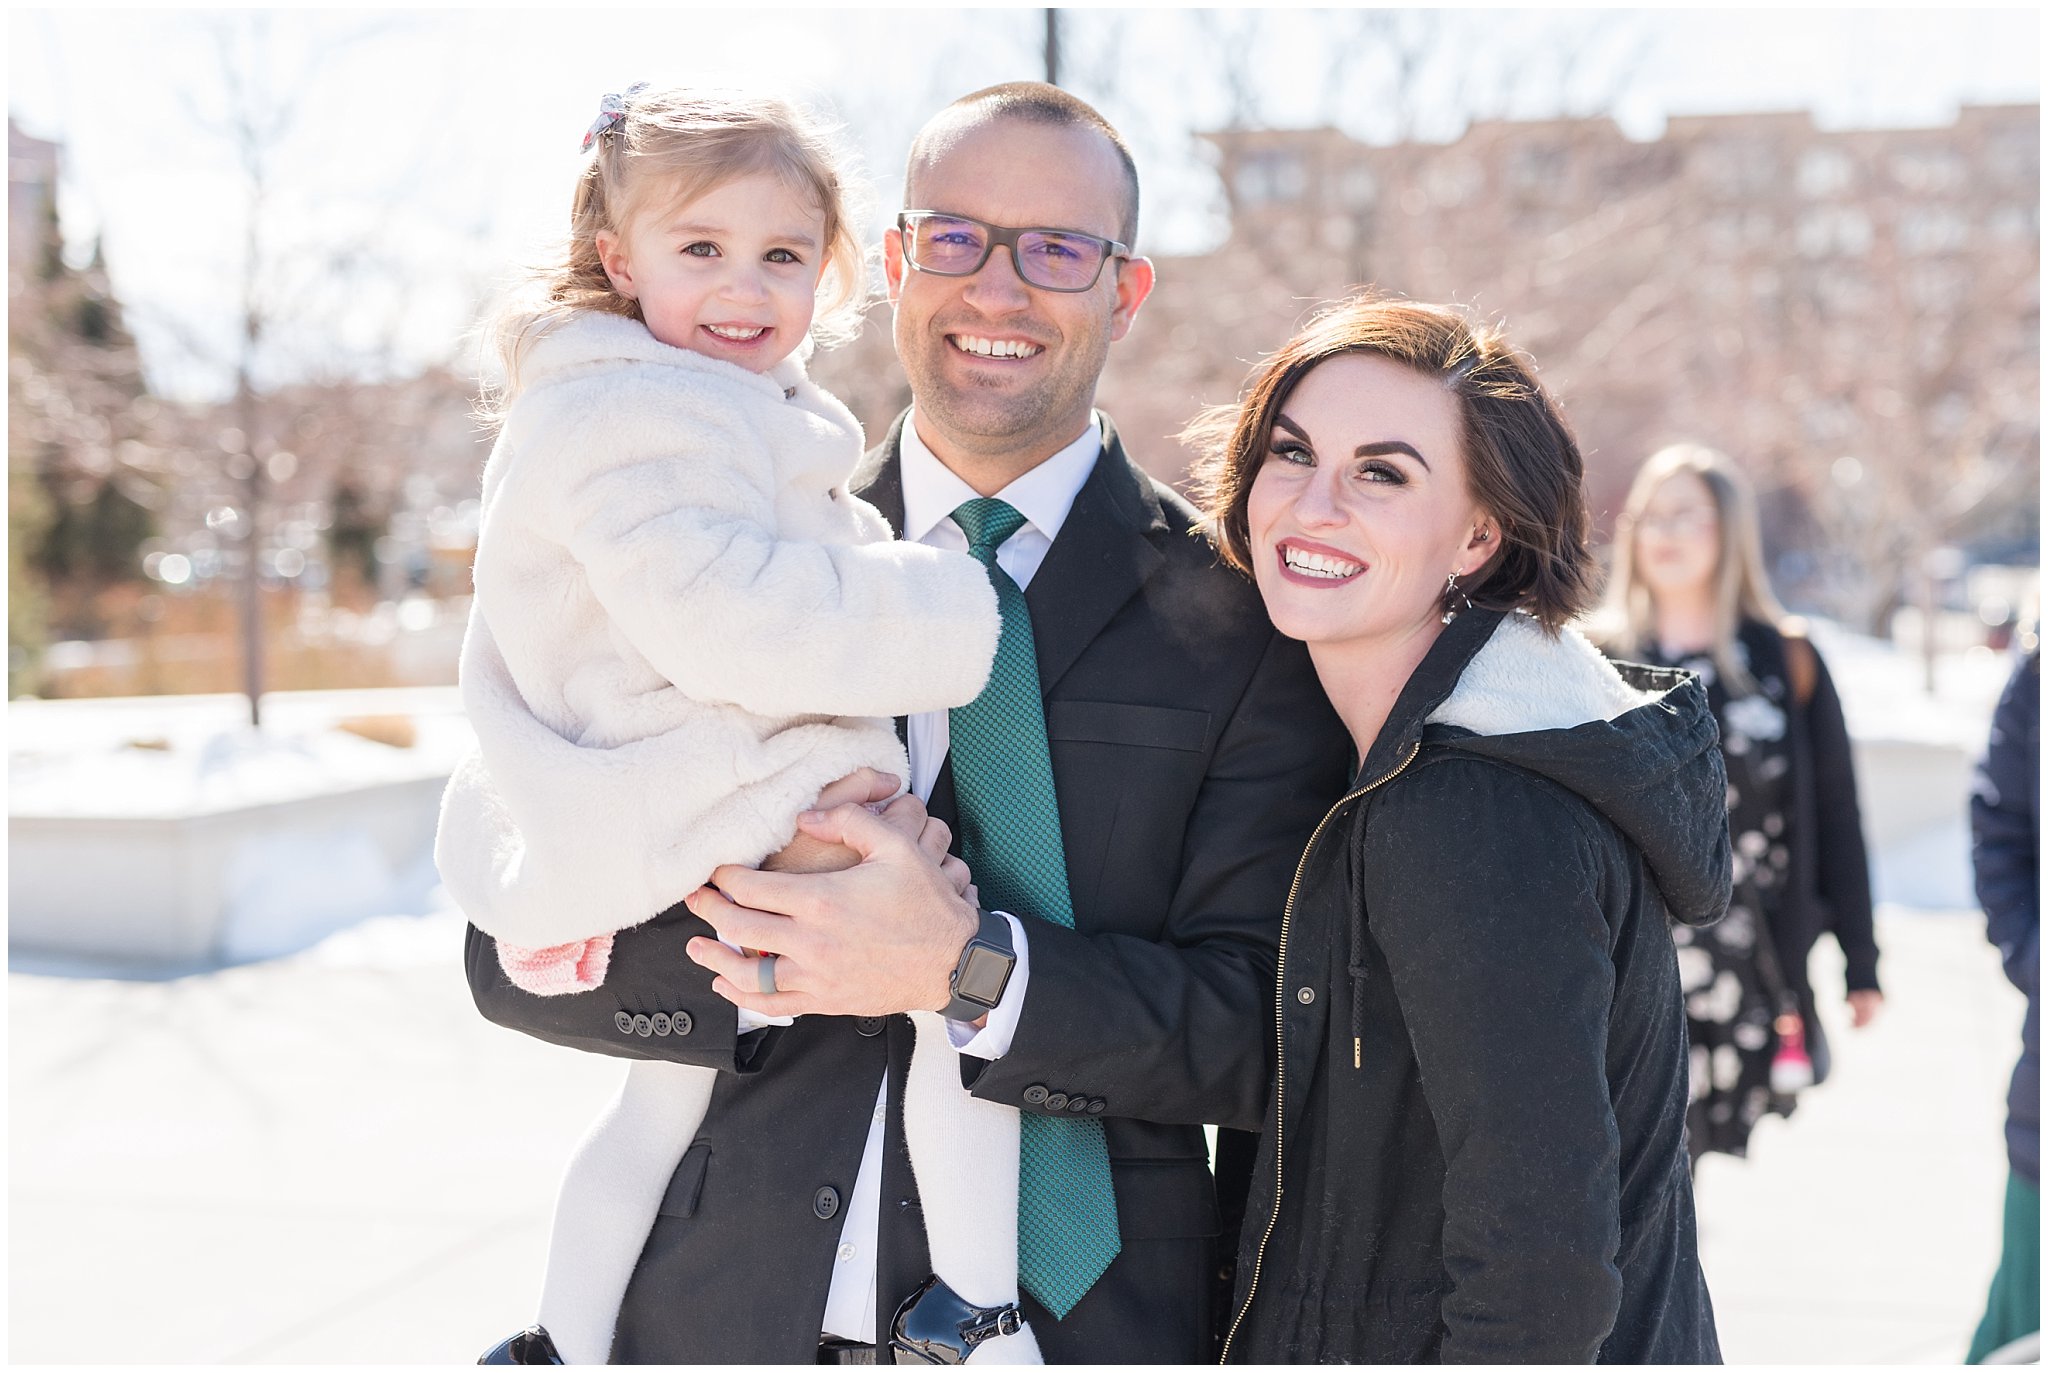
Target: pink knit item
{"points": [[559, 969]]}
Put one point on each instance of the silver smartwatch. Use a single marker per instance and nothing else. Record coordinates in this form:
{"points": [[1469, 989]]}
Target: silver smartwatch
{"points": [[983, 970]]}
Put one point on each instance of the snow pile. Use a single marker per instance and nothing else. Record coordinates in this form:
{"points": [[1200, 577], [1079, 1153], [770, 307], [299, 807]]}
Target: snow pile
{"points": [[1885, 700], [168, 756], [1884, 696], [150, 777]]}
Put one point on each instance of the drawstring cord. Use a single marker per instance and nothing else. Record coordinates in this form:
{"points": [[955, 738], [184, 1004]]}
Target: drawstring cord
{"points": [[1355, 960]]}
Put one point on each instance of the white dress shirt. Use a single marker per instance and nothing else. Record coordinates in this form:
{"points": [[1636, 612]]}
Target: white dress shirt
{"points": [[931, 493]]}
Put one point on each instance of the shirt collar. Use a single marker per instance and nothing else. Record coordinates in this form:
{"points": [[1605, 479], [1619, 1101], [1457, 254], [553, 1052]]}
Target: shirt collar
{"points": [[1044, 495]]}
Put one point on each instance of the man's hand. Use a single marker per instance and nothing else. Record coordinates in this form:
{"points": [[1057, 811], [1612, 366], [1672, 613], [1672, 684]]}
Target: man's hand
{"points": [[878, 938], [805, 854], [1864, 1006]]}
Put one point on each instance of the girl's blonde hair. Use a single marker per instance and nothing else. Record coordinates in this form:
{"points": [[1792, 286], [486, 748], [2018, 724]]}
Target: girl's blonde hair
{"points": [[1627, 623], [670, 145]]}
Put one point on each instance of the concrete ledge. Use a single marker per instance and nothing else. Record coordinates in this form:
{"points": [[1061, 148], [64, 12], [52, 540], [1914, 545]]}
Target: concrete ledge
{"points": [[166, 890], [1906, 787]]}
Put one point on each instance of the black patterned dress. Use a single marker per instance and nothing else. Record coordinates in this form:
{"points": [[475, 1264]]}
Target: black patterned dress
{"points": [[1735, 990]]}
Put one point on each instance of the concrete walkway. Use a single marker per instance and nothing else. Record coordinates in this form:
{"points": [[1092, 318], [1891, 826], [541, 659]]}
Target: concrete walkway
{"points": [[332, 1159]]}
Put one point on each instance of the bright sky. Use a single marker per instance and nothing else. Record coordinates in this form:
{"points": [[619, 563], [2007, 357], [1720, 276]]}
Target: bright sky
{"points": [[426, 151]]}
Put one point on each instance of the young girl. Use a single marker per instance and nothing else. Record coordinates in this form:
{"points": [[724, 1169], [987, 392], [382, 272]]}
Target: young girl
{"points": [[684, 626]]}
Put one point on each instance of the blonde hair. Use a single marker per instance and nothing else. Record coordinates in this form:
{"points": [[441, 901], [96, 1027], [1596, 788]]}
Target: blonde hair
{"points": [[671, 145], [1627, 622]]}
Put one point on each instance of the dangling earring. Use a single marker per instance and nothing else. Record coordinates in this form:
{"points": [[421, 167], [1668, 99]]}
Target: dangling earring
{"points": [[1452, 595]]}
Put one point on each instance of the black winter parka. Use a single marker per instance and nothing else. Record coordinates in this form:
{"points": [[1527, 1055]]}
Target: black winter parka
{"points": [[1475, 1151], [2005, 830]]}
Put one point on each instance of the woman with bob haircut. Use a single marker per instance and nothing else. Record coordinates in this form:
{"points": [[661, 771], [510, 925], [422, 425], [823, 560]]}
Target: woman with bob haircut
{"points": [[1688, 590], [1475, 1146]]}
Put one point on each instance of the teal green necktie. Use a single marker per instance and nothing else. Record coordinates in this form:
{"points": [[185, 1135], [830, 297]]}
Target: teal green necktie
{"points": [[1009, 824]]}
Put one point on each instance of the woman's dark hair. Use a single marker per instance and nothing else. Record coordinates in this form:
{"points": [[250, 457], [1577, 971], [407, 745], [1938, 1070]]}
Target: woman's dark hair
{"points": [[1521, 461]]}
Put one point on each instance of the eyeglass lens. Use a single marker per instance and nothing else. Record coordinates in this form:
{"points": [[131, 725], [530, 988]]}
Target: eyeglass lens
{"points": [[1045, 257], [1692, 519]]}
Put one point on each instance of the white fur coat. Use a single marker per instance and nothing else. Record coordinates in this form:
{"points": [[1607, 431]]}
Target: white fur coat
{"points": [[681, 616]]}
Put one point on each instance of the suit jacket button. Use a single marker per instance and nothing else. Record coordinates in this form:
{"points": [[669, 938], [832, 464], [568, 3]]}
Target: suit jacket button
{"points": [[1077, 1104], [624, 1020], [870, 1025], [1035, 1094], [1056, 1102], [825, 1204], [661, 1023], [1096, 1106], [643, 1025], [681, 1023]]}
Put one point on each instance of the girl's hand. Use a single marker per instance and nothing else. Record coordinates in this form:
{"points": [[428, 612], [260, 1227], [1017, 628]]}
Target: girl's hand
{"points": [[805, 854], [1864, 1006]]}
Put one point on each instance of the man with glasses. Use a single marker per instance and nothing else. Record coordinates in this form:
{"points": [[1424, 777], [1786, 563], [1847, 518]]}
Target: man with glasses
{"points": [[1132, 792]]}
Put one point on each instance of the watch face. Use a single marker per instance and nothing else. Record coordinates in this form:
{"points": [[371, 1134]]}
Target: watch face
{"points": [[984, 975]]}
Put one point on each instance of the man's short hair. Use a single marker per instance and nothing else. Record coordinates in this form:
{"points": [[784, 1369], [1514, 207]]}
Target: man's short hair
{"points": [[1033, 102]]}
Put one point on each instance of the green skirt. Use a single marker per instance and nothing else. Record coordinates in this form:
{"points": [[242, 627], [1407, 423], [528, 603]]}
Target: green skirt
{"points": [[2014, 1307]]}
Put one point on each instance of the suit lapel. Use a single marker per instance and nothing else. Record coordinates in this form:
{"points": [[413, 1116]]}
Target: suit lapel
{"points": [[879, 478], [1102, 556]]}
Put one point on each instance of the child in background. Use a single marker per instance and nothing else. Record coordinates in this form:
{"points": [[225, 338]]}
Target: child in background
{"points": [[685, 627]]}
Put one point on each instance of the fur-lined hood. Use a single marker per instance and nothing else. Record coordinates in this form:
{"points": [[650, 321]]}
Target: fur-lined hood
{"points": [[1638, 743]]}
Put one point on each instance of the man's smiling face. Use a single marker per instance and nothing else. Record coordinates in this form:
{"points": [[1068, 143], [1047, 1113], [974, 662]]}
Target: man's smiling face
{"points": [[1003, 373]]}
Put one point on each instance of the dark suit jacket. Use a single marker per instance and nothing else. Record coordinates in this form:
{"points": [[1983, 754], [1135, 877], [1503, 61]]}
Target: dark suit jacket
{"points": [[1192, 753]]}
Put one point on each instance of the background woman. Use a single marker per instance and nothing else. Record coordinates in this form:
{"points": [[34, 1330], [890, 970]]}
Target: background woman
{"points": [[1474, 1147], [1688, 590]]}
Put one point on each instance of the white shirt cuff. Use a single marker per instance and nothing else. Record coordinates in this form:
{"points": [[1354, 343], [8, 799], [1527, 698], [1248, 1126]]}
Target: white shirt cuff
{"points": [[992, 1040]]}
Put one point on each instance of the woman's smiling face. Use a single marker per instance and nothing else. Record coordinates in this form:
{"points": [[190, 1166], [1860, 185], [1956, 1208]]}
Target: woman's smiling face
{"points": [[1361, 508]]}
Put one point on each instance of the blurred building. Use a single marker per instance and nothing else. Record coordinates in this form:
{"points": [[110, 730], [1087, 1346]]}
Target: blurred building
{"points": [[1853, 314]]}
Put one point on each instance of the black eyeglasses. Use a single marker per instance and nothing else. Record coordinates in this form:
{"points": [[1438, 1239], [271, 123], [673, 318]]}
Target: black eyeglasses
{"points": [[1050, 259]]}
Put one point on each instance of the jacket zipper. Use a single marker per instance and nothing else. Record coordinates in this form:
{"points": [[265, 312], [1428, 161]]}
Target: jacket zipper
{"points": [[1280, 1037]]}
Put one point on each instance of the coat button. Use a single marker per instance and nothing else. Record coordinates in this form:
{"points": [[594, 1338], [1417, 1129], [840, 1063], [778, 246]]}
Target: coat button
{"points": [[661, 1023], [869, 1025], [1035, 1094], [1077, 1104], [681, 1023], [1096, 1106], [1306, 996], [1056, 1102], [825, 1204], [643, 1025], [624, 1020]]}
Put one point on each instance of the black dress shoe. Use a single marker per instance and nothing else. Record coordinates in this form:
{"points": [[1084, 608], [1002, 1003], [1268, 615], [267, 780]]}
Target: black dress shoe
{"points": [[530, 1345]]}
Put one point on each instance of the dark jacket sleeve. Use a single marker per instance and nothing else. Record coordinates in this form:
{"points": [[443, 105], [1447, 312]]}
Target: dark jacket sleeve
{"points": [[649, 972], [1843, 876], [1178, 1029], [2005, 827], [1499, 955]]}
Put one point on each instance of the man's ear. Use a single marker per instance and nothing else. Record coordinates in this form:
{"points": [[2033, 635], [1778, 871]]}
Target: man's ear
{"points": [[892, 262], [611, 254], [1134, 281]]}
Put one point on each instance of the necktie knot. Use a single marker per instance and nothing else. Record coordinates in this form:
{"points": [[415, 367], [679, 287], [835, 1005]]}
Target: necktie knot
{"points": [[987, 523]]}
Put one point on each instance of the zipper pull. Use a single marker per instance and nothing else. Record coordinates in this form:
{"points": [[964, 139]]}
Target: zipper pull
{"points": [[1358, 1054]]}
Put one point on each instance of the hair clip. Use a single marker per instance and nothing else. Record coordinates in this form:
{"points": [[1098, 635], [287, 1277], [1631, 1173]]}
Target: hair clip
{"points": [[611, 112]]}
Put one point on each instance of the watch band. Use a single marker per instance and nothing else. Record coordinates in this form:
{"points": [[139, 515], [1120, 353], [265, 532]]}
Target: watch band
{"points": [[983, 971]]}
